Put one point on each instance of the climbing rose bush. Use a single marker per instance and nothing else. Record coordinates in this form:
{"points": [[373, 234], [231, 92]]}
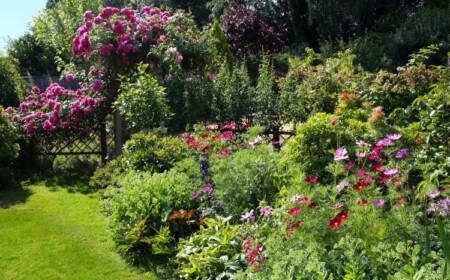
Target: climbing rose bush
{"points": [[59, 109]]}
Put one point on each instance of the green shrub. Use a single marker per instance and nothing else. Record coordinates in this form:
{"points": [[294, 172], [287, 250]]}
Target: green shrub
{"points": [[11, 85], [245, 178], [153, 151], [107, 175], [138, 209], [318, 138], [8, 149], [214, 252], [142, 101]]}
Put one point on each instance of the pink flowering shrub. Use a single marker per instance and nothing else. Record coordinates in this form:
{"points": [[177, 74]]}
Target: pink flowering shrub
{"points": [[60, 109]]}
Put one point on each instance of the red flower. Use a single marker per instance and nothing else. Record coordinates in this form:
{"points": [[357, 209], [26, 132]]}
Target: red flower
{"points": [[204, 136], [294, 211], [313, 205], [362, 202], [311, 179], [335, 222], [361, 173], [215, 137], [298, 224], [343, 215], [205, 149], [360, 185], [349, 165], [224, 153], [245, 126], [382, 178], [376, 167]]}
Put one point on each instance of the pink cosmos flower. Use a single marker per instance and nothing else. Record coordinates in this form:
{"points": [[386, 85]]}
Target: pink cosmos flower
{"points": [[361, 173], [341, 186], [256, 140], [265, 211], [303, 199], [337, 206], [376, 167], [349, 166], [390, 172], [434, 193], [360, 155], [195, 195], [402, 153], [378, 202], [248, 215], [362, 143], [208, 189], [394, 136], [341, 154]]}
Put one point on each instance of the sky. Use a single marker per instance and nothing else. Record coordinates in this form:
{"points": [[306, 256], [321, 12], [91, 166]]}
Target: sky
{"points": [[14, 17]]}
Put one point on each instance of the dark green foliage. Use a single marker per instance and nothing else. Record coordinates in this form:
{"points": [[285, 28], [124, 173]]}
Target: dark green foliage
{"points": [[153, 151], [142, 101], [318, 138], [11, 85], [245, 178], [8, 150], [33, 57], [139, 207], [107, 175]]}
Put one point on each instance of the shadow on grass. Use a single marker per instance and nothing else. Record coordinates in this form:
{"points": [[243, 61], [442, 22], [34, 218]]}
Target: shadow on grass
{"points": [[13, 196], [72, 182]]}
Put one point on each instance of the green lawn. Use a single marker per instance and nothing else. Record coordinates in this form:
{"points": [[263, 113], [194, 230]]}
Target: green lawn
{"points": [[50, 233]]}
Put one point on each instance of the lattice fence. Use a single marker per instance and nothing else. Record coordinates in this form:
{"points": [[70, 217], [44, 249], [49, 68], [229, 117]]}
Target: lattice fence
{"points": [[50, 148]]}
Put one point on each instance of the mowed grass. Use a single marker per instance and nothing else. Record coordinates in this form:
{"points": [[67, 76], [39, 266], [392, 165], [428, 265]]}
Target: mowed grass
{"points": [[50, 233]]}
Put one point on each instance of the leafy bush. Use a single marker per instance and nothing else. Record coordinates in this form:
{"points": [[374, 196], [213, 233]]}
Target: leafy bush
{"points": [[107, 175], [245, 178], [247, 33], [8, 149], [214, 252], [11, 85], [138, 209], [318, 138], [142, 101], [153, 151]]}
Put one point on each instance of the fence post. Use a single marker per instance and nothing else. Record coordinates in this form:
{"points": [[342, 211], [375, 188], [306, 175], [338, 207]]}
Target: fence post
{"points": [[118, 133], [103, 143]]}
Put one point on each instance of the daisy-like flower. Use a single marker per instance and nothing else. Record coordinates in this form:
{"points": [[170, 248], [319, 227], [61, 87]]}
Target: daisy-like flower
{"points": [[385, 142], [294, 211], [341, 154], [434, 193], [394, 136], [335, 222], [349, 166], [248, 215], [378, 202], [208, 189], [311, 179], [376, 167], [195, 195], [360, 155], [402, 153], [361, 173], [337, 206], [265, 211], [433, 208], [390, 172], [343, 215], [256, 140], [341, 186], [361, 143], [303, 199], [362, 202]]}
